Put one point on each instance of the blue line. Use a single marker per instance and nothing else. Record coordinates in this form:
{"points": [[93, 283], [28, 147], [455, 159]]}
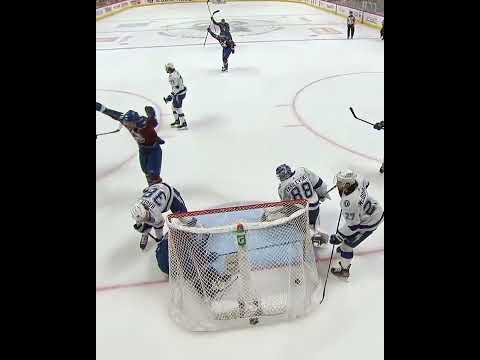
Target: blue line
{"points": [[237, 42]]}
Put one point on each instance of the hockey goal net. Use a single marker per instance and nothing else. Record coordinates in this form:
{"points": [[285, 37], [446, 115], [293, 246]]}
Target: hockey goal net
{"points": [[241, 266]]}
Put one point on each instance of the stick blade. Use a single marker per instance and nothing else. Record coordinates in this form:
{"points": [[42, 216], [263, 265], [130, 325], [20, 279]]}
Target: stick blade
{"points": [[353, 113]]}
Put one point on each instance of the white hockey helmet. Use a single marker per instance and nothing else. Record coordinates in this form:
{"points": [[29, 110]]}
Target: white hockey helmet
{"points": [[345, 177], [169, 68], [139, 213]]}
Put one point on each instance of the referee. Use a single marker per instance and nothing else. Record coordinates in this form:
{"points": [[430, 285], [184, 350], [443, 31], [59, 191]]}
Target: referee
{"points": [[350, 25]]}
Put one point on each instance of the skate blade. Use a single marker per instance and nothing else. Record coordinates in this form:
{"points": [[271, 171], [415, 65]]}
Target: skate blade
{"points": [[183, 128], [341, 278]]}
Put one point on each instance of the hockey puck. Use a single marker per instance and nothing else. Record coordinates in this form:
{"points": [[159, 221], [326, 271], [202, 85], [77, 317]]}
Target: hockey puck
{"points": [[253, 321]]}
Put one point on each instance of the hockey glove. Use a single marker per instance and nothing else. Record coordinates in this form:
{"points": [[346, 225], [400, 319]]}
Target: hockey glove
{"points": [[335, 240], [168, 99], [99, 107], [150, 111]]}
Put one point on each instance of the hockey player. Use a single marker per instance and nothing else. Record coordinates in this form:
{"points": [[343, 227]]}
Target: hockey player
{"points": [[194, 261], [143, 131], [157, 198], [206, 280], [224, 28], [228, 46], [179, 91], [382, 31], [350, 25], [380, 126], [304, 184], [362, 214]]}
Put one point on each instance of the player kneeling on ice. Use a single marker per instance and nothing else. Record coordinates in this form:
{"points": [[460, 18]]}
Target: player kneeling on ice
{"points": [[157, 198], [228, 47], [362, 214], [179, 91], [193, 259], [304, 184], [143, 131]]}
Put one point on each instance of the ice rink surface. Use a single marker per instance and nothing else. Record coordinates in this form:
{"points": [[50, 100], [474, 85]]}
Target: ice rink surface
{"points": [[285, 99]]}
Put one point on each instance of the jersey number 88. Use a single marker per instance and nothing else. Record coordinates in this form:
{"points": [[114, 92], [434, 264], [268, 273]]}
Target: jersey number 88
{"points": [[297, 193]]}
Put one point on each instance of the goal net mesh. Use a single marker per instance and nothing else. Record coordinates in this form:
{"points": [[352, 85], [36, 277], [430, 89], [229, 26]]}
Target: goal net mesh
{"points": [[241, 266]]}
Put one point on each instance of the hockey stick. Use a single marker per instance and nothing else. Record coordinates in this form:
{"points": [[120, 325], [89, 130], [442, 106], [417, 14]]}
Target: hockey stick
{"points": [[205, 41], [330, 262], [333, 187], [156, 239], [355, 116], [206, 36], [208, 5], [110, 132]]}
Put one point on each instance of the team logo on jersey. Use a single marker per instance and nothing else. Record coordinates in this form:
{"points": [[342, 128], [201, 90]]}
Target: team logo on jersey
{"points": [[346, 203]]}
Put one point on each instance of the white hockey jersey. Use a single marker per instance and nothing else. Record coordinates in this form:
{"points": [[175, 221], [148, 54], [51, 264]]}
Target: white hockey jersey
{"points": [[176, 81], [304, 184], [360, 211], [157, 198]]}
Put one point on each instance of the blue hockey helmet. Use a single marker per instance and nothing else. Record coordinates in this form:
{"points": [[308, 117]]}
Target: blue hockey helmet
{"points": [[131, 118], [283, 172]]}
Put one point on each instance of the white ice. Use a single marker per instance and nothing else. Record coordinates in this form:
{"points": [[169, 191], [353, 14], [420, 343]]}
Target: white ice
{"points": [[285, 99]]}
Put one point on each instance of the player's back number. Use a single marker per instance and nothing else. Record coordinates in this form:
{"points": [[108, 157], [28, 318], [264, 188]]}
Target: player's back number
{"points": [[303, 192]]}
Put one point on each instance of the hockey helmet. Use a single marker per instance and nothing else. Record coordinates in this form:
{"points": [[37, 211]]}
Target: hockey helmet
{"points": [[169, 68], [283, 172], [132, 119], [345, 179]]}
